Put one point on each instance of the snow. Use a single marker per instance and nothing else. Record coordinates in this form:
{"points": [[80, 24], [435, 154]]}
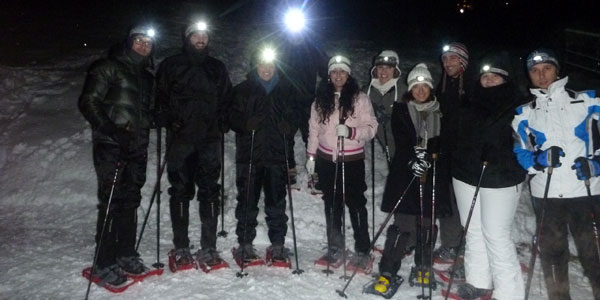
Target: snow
{"points": [[48, 195]]}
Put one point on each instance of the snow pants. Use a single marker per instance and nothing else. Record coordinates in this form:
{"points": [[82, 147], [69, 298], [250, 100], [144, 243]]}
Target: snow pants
{"points": [[490, 254], [354, 178], [190, 166], [561, 216], [273, 179], [119, 236]]}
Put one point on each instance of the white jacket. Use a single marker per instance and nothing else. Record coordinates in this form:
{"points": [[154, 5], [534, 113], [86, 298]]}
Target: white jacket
{"points": [[555, 118]]}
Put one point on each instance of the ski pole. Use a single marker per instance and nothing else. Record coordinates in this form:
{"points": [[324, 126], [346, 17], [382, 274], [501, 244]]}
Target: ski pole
{"points": [[433, 237], [422, 181], [466, 228], [594, 214], [222, 233], [112, 190], [333, 200], [158, 264], [538, 235], [387, 147], [373, 186], [381, 227], [345, 276], [241, 273], [289, 190]]}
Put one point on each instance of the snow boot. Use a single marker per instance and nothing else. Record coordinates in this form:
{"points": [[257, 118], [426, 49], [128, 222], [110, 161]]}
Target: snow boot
{"points": [[444, 255], [385, 285], [334, 257], [361, 262], [469, 292], [278, 256], [134, 267], [209, 260], [250, 257], [181, 259], [111, 278], [313, 184], [421, 277]]}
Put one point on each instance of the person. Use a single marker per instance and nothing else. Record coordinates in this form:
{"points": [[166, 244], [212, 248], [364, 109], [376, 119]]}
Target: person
{"points": [[302, 61], [416, 126], [341, 122], [194, 94], [262, 116], [557, 128], [484, 134], [116, 101], [452, 93], [383, 92]]}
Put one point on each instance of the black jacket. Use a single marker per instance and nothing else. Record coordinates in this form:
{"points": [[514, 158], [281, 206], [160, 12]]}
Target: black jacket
{"points": [[400, 174], [484, 133], [250, 99], [118, 90], [194, 89]]}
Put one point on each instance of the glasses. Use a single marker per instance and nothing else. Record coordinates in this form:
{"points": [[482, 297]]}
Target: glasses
{"points": [[141, 42]]}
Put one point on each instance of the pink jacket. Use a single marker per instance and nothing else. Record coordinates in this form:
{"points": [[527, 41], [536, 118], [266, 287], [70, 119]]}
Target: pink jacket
{"points": [[322, 137]]}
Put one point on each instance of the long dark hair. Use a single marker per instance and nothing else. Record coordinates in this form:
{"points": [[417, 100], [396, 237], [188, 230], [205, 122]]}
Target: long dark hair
{"points": [[325, 101]]}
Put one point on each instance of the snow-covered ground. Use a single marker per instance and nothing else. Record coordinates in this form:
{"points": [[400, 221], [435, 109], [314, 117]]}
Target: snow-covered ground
{"points": [[48, 194]]}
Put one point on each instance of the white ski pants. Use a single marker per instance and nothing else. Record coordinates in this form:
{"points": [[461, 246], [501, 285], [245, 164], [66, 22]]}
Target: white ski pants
{"points": [[490, 254]]}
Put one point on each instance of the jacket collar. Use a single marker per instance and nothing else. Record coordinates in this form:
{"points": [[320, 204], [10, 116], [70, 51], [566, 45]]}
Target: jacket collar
{"points": [[552, 90]]}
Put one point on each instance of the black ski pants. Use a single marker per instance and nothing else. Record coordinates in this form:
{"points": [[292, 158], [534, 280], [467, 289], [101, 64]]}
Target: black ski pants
{"points": [[354, 177], [451, 229], [273, 178], [562, 216], [119, 237], [190, 166]]}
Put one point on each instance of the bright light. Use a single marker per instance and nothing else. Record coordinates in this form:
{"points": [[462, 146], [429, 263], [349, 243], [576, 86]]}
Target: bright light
{"points": [[338, 59], [386, 58], [420, 78], [294, 19], [202, 26], [462, 11], [486, 68], [537, 58], [446, 48], [151, 33], [268, 55]]}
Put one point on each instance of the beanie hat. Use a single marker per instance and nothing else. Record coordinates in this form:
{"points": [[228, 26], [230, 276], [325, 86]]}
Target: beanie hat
{"points": [[497, 64], [419, 74], [542, 55], [460, 50], [339, 62], [386, 57], [197, 26], [142, 30]]}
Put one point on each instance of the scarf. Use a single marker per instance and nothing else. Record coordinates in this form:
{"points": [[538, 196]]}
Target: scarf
{"points": [[426, 118], [268, 85], [384, 88]]}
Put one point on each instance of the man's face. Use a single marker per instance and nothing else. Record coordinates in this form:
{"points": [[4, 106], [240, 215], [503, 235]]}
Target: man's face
{"points": [[142, 45], [199, 40], [543, 75], [265, 71], [451, 64], [384, 73]]}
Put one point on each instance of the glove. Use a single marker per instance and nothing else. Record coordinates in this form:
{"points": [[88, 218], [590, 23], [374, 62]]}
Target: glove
{"points": [[548, 158], [254, 123], [420, 153], [342, 130], [419, 167], [284, 128], [586, 168], [123, 137], [310, 165], [176, 126]]}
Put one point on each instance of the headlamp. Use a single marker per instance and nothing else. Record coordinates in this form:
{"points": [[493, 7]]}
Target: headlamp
{"points": [[486, 68], [294, 19], [446, 48], [538, 58], [386, 60], [268, 55], [338, 59], [150, 32], [420, 78]]}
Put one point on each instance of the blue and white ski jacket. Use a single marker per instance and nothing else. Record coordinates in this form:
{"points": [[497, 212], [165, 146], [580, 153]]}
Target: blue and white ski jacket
{"points": [[556, 118]]}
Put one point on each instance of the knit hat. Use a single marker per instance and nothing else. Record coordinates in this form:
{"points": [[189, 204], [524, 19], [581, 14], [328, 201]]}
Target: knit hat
{"points": [[142, 30], [419, 74], [460, 50], [496, 63], [339, 62], [542, 55], [386, 57], [197, 26]]}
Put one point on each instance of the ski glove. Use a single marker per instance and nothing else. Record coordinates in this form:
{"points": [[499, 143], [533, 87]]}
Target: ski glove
{"points": [[586, 168], [548, 158], [420, 153], [419, 167], [310, 165], [342, 130]]}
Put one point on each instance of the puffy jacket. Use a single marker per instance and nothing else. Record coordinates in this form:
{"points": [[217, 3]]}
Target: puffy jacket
{"points": [[251, 99], [118, 89], [195, 91], [556, 118], [484, 133], [323, 137]]}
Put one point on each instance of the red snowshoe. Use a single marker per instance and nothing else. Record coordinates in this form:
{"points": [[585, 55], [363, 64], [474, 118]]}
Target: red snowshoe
{"points": [[113, 288], [209, 260], [181, 260], [334, 258], [467, 291], [362, 263], [278, 256], [250, 259]]}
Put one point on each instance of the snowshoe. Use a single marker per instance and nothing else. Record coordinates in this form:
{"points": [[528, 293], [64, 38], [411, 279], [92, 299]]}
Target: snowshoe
{"points": [[445, 255], [181, 260], [209, 260], [278, 256], [421, 277], [468, 292], [250, 258], [361, 262], [333, 257], [313, 185], [110, 278], [133, 267], [294, 184], [443, 275], [383, 286]]}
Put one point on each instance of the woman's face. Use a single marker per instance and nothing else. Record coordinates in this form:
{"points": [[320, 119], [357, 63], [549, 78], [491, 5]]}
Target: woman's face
{"points": [[420, 92], [384, 73], [490, 79], [338, 77]]}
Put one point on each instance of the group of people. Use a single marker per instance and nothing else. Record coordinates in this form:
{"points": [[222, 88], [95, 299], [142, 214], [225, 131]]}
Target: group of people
{"points": [[442, 144]]}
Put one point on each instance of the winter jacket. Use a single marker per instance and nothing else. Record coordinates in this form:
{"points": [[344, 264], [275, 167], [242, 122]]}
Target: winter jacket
{"points": [[556, 118], [453, 95], [383, 107], [118, 90], [194, 89], [323, 139], [484, 133], [400, 175], [251, 100]]}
